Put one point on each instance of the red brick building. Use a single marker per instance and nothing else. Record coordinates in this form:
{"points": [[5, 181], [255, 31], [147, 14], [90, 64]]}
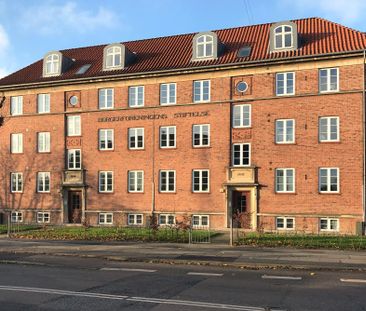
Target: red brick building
{"points": [[265, 122]]}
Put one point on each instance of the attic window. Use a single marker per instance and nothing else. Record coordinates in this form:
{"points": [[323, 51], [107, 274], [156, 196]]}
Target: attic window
{"points": [[283, 37], [113, 57], [244, 51], [205, 46], [54, 63], [117, 56], [83, 69]]}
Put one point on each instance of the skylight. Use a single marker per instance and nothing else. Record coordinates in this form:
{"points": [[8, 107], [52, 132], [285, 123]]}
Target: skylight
{"points": [[244, 51], [83, 69]]}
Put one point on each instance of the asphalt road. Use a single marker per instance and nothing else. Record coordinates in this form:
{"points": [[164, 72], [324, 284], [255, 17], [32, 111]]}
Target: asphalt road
{"points": [[36, 282]]}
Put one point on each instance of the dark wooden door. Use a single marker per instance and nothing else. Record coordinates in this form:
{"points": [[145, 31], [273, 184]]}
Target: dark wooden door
{"points": [[74, 204], [241, 209]]}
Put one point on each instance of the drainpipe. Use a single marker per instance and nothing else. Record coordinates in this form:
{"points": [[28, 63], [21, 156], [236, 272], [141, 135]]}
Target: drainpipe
{"points": [[363, 137], [153, 173]]}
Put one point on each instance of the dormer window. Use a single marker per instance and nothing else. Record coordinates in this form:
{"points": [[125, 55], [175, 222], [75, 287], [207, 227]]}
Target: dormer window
{"points": [[205, 46], [52, 64], [283, 37], [116, 56], [113, 57]]}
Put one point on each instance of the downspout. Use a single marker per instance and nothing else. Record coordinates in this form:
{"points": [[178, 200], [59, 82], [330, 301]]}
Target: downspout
{"points": [[363, 137]]}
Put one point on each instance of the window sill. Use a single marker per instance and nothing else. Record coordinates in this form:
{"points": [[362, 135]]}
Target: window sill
{"points": [[286, 143], [329, 192], [285, 192], [329, 141], [106, 192]]}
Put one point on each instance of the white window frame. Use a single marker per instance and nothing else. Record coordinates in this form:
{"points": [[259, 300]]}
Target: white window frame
{"points": [[133, 221], [18, 179], [328, 129], [200, 225], [103, 218], [285, 223], [166, 189], [239, 113], [168, 99], [43, 142], [16, 145], [328, 220], [168, 130], [43, 103], [167, 217], [103, 136], [41, 182], [285, 82], [52, 64], [200, 184], [74, 125], [110, 55], [328, 184], [241, 158], [135, 178], [133, 96], [285, 140], [328, 77], [108, 176], [204, 43], [16, 217], [283, 34], [198, 86], [43, 217], [200, 132], [73, 152], [103, 96], [16, 105], [134, 132], [285, 180]]}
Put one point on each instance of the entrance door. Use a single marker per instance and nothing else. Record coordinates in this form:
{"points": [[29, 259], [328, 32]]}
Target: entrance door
{"points": [[74, 207], [241, 211]]}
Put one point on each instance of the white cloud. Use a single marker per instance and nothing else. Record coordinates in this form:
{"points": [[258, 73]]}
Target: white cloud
{"points": [[50, 18]]}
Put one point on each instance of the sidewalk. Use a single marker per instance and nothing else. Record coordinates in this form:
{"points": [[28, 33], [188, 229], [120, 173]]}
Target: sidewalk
{"points": [[197, 254]]}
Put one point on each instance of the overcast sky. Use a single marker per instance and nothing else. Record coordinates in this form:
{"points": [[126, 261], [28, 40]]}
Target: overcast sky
{"points": [[30, 28]]}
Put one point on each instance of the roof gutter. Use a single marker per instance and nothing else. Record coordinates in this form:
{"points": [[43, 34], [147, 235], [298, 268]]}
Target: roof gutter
{"points": [[180, 71]]}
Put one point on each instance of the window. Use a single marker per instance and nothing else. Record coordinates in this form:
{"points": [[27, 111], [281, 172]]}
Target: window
{"points": [[16, 103], [16, 143], [135, 181], [106, 181], [328, 80], [328, 129], [16, 182], [285, 223], [167, 181], [105, 218], [204, 46], [136, 138], [329, 224], [52, 64], [285, 131], [135, 219], [113, 57], [73, 126], [241, 116], [200, 181], [201, 91], [285, 180], [16, 217], [285, 83], [44, 142], [43, 103], [74, 159], [328, 180], [106, 98], [200, 221], [167, 136], [43, 217], [166, 219], [106, 139], [168, 93], [201, 135], [241, 154], [43, 182], [136, 96], [283, 37]]}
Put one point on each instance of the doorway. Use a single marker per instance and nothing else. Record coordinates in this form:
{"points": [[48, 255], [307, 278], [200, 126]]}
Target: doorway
{"points": [[241, 209], [74, 207]]}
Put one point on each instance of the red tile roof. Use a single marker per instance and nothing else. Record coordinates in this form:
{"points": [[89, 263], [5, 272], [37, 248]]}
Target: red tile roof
{"points": [[316, 36]]}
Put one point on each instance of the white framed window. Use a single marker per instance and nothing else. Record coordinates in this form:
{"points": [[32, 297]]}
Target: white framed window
{"points": [[328, 129], [329, 224], [201, 91], [105, 218], [167, 181], [16, 182], [200, 180], [43, 217], [16, 143], [136, 138], [285, 131], [200, 221], [283, 37], [204, 46], [285, 83], [44, 142], [43, 103], [167, 137], [135, 219], [285, 223], [113, 56], [136, 96], [135, 181], [73, 126], [106, 98], [105, 181], [328, 80], [285, 180], [74, 159], [16, 216], [106, 139], [52, 64], [201, 135], [329, 180], [43, 181], [241, 154], [16, 105], [241, 116], [166, 220], [168, 94]]}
